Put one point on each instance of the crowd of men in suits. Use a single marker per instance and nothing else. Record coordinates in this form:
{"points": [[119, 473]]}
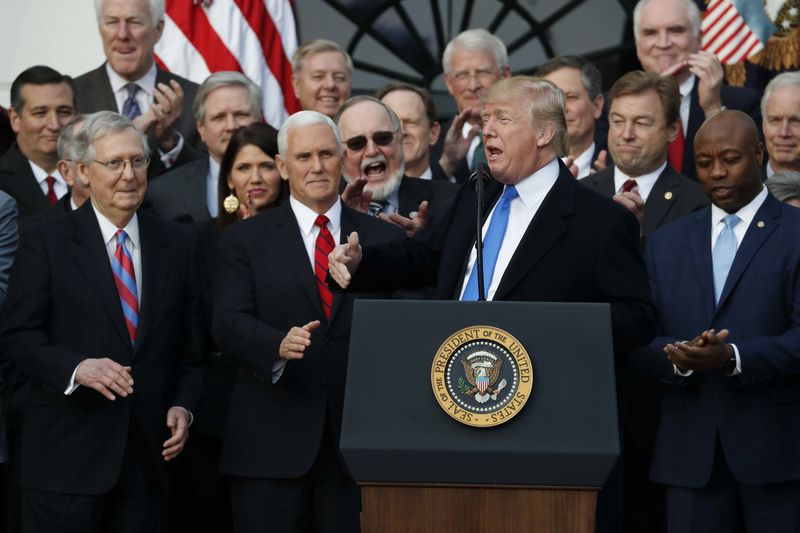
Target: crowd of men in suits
{"points": [[124, 329]]}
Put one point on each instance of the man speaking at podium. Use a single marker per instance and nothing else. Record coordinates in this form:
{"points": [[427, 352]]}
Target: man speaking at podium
{"points": [[545, 237]]}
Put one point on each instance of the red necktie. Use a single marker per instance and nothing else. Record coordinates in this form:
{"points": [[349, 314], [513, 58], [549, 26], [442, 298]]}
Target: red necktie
{"points": [[676, 150], [125, 279], [323, 247], [52, 199], [628, 185]]}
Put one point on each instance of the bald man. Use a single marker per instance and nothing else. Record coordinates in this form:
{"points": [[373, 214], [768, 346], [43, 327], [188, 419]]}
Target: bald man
{"points": [[726, 282]]}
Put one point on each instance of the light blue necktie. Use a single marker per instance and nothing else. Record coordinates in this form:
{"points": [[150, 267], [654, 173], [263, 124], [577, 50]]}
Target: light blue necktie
{"points": [[723, 254], [130, 108], [491, 245]]}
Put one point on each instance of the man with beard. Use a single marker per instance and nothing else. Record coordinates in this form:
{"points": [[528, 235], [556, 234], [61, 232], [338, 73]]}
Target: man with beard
{"points": [[374, 163]]}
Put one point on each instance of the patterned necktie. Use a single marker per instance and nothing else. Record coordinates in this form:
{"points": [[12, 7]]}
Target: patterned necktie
{"points": [[130, 108], [52, 199], [723, 254], [628, 185], [376, 207], [125, 279], [491, 245], [323, 247], [676, 149]]}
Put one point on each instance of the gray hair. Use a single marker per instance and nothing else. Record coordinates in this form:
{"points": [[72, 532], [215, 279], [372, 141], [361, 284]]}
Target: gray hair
{"points": [[473, 41], [97, 126], [784, 185], [227, 79], [315, 46], [66, 139], [396, 123], [156, 10], [305, 118], [781, 80], [692, 11], [590, 76]]}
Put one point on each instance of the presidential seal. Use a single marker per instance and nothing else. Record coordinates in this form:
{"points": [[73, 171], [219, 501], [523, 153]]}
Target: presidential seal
{"points": [[482, 376]]}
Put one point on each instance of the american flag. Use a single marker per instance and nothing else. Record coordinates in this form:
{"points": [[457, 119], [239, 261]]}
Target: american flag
{"points": [[734, 30], [256, 37]]}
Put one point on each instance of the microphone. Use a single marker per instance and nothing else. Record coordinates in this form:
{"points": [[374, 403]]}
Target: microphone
{"points": [[479, 176]]}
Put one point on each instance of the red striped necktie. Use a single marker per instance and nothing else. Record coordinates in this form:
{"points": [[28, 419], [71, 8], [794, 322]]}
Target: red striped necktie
{"points": [[324, 246], [125, 279], [52, 199]]}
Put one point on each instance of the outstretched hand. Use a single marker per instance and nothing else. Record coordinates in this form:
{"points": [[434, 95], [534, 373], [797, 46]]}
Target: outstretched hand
{"points": [[344, 260]]}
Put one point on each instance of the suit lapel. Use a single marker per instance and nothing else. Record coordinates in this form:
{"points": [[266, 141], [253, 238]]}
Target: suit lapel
{"points": [[659, 202], [696, 118], [194, 198], [700, 256], [100, 90], [764, 223], [26, 188], [156, 264], [544, 230], [604, 182], [92, 259], [291, 244]]}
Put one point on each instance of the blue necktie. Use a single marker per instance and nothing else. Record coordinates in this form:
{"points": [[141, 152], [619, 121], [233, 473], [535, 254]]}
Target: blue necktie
{"points": [[723, 254], [491, 245], [130, 108]]}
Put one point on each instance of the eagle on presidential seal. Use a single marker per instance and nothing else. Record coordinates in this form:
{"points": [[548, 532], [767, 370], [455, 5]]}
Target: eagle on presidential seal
{"points": [[482, 369]]}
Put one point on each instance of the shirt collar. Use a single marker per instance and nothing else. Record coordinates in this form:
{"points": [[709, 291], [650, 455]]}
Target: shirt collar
{"points": [[213, 168], [108, 229], [306, 216], [686, 87], [427, 175], [746, 213], [584, 161], [645, 182], [536, 186], [147, 83], [41, 174]]}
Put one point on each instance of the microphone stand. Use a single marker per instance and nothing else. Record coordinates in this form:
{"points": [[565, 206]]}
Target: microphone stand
{"points": [[480, 174]]}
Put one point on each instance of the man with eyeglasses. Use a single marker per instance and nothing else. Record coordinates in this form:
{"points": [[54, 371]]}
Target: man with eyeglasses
{"points": [[103, 317], [473, 61], [130, 82], [42, 102], [374, 163]]}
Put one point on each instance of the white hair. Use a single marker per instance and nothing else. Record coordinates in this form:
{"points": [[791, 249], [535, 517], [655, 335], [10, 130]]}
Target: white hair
{"points": [[781, 80], [226, 78], [97, 126], [156, 10], [692, 12], [305, 118], [473, 41]]}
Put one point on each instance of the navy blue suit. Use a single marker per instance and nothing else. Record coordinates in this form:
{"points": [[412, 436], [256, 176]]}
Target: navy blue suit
{"points": [[753, 417]]}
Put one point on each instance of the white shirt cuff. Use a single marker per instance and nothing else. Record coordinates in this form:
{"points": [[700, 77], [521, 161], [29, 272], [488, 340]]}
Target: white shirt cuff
{"points": [[738, 370], [72, 385], [682, 373], [277, 370]]}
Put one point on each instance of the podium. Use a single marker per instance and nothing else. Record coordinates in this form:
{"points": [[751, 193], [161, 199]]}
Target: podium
{"points": [[422, 470]]}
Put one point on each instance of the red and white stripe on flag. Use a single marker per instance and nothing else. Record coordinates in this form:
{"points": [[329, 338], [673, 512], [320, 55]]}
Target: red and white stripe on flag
{"points": [[726, 34], [256, 37]]}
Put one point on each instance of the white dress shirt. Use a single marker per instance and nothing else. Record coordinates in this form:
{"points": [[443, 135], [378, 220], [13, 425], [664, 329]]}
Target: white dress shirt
{"points": [[108, 230], [144, 97], [60, 186], [583, 161], [427, 175], [473, 145], [645, 182], [686, 100], [532, 191], [746, 214], [212, 184]]}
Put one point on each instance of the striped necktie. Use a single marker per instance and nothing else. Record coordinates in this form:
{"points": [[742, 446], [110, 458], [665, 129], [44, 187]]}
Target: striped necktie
{"points": [[324, 246], [125, 279], [130, 107]]}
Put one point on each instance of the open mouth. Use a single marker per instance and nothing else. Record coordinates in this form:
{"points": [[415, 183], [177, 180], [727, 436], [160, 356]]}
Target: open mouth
{"points": [[374, 169], [493, 152]]}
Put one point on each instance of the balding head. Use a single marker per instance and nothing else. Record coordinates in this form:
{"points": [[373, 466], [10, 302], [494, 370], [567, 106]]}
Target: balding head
{"points": [[728, 158]]}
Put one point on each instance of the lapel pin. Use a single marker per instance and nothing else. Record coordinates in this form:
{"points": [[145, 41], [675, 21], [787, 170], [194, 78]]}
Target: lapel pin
{"points": [[760, 224], [668, 195]]}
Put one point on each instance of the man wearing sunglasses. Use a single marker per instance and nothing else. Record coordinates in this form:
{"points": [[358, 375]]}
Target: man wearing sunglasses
{"points": [[374, 163]]}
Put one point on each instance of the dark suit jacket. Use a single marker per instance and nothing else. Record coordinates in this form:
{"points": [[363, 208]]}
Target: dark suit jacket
{"points": [[274, 431], [579, 247], [673, 196], [7, 134], [63, 307], [180, 194], [439, 194], [755, 414], [95, 94], [17, 179]]}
